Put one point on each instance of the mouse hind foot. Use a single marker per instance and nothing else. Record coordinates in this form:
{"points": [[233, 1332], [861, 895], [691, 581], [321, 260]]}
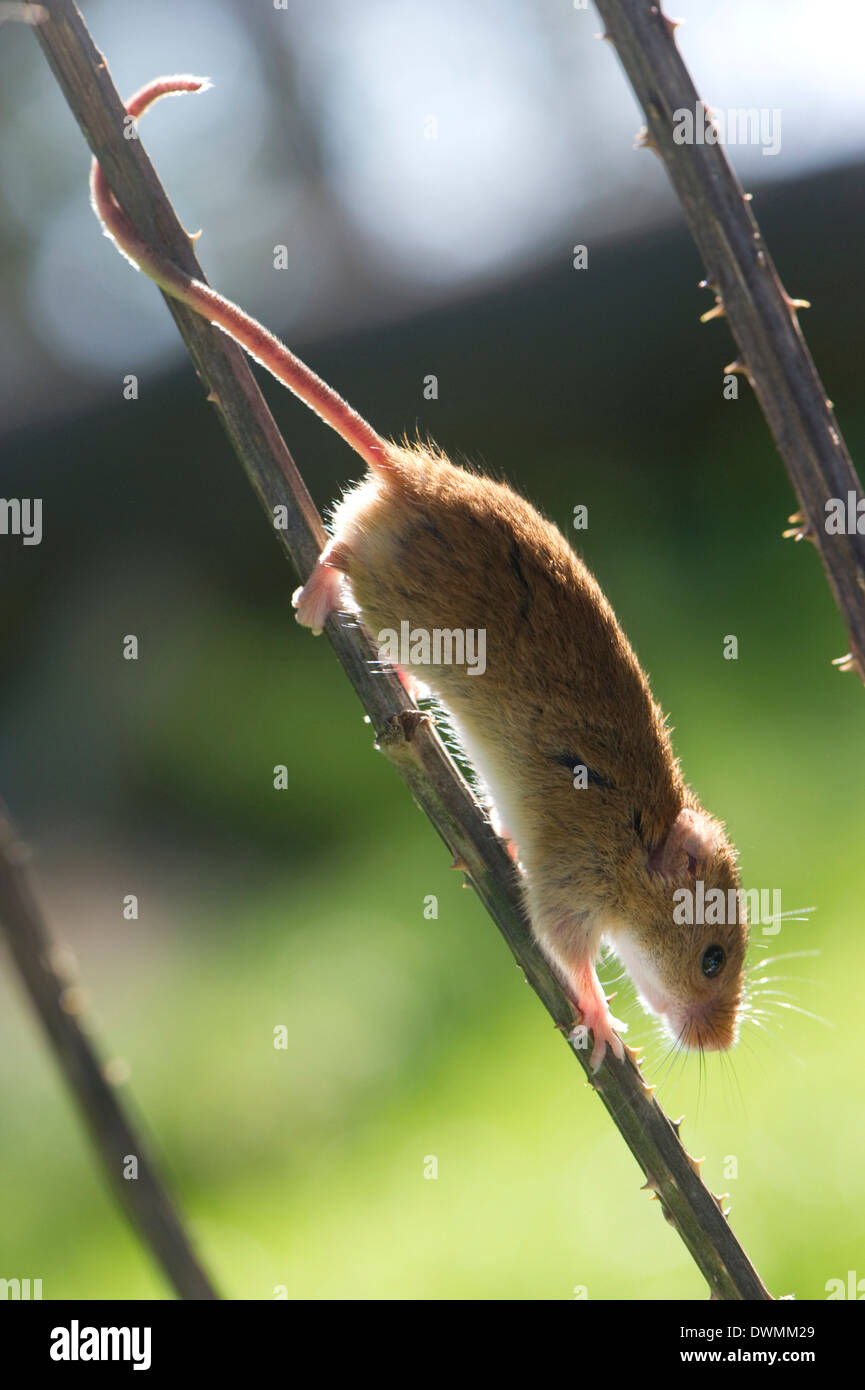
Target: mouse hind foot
{"points": [[321, 595]]}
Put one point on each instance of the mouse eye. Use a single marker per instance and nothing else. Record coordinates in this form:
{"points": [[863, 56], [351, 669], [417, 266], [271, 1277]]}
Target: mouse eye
{"points": [[713, 961]]}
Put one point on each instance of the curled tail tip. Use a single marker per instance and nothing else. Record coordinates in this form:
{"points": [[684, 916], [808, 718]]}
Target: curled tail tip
{"points": [[176, 85], [180, 82]]}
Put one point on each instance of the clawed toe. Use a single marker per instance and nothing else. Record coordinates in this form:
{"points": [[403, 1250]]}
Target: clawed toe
{"points": [[596, 1016]]}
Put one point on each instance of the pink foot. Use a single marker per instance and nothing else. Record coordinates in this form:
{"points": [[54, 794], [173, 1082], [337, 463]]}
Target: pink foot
{"points": [[595, 1015], [321, 595]]}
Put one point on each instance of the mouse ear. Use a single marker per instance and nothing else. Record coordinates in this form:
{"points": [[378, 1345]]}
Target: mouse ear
{"points": [[692, 836]]}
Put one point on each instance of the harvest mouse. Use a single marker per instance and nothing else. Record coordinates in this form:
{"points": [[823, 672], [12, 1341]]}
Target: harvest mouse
{"points": [[560, 723]]}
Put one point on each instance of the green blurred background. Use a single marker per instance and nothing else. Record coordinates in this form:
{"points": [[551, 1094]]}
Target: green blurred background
{"points": [[408, 1037]]}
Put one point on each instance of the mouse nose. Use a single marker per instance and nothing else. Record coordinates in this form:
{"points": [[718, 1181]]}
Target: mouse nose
{"points": [[702, 1029], [709, 1032]]}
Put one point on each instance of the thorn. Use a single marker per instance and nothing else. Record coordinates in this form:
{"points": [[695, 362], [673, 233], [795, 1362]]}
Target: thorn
{"points": [[193, 236], [608, 38], [830, 405], [737, 367], [61, 959], [696, 1163], [650, 1185], [801, 530], [73, 1000], [460, 863], [116, 1071], [645, 140], [212, 398], [708, 284], [716, 312], [847, 663], [748, 198], [647, 1089], [677, 1124], [797, 303]]}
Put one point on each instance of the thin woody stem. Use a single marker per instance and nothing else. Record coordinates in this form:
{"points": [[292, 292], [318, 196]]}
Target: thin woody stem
{"points": [[52, 994], [773, 353], [406, 736]]}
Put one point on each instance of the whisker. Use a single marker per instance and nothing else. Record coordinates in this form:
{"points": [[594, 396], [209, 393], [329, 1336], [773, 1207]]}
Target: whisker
{"points": [[806, 1013], [775, 1041], [773, 960], [792, 915], [771, 981], [729, 1064], [672, 1054]]}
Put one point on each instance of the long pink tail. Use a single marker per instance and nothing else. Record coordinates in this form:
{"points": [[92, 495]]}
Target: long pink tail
{"points": [[261, 344]]}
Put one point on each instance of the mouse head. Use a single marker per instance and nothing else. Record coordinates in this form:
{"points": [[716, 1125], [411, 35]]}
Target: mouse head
{"points": [[684, 931]]}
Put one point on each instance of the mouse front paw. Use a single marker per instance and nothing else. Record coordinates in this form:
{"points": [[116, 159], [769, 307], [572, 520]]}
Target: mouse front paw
{"points": [[595, 1015]]}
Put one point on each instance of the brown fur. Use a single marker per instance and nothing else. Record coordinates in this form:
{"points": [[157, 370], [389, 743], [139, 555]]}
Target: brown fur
{"points": [[423, 541]]}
